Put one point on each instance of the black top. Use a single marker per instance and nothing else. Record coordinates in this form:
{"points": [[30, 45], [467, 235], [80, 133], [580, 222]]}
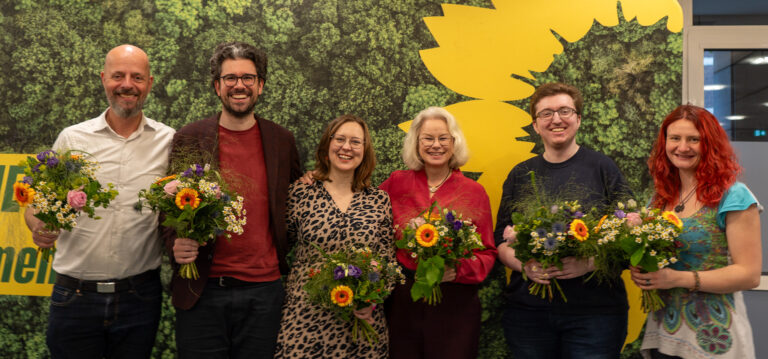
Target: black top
{"points": [[593, 179]]}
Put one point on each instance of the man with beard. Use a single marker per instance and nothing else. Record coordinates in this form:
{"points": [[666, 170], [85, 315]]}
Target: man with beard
{"points": [[106, 300], [233, 309]]}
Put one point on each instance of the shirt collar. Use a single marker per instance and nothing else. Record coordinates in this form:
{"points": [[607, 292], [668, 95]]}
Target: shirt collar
{"points": [[146, 124]]}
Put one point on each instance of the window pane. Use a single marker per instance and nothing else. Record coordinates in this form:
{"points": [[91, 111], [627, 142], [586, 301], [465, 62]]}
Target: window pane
{"points": [[730, 12], [736, 91]]}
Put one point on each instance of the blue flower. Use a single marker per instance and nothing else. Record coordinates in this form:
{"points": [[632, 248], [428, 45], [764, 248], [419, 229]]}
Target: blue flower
{"points": [[215, 214], [42, 156], [338, 273], [619, 214], [373, 277], [578, 214], [72, 166], [354, 271], [449, 217], [457, 225], [558, 227], [52, 162], [28, 180], [541, 232], [225, 198], [550, 243]]}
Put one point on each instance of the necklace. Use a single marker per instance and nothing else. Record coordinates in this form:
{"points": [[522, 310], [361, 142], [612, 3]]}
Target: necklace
{"points": [[433, 189], [680, 207]]}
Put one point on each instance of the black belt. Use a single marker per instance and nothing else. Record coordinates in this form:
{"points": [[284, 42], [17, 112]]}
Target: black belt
{"points": [[106, 286], [230, 282]]}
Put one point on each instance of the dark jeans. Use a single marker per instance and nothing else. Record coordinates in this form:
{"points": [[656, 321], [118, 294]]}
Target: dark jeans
{"points": [[85, 324], [239, 322], [546, 335], [655, 354]]}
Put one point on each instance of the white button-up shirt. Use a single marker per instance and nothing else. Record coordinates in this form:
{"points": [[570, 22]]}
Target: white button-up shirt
{"points": [[123, 242]]}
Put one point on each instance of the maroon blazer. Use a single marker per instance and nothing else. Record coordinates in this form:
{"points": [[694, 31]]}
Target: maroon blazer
{"points": [[281, 159]]}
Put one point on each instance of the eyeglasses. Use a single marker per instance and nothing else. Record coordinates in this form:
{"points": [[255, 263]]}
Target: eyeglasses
{"points": [[231, 80], [564, 112], [354, 142], [442, 140]]}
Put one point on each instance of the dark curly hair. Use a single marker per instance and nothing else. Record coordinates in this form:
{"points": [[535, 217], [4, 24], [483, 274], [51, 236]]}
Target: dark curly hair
{"points": [[237, 50]]}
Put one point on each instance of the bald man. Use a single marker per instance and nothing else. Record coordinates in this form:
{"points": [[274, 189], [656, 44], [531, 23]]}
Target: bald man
{"points": [[107, 296]]}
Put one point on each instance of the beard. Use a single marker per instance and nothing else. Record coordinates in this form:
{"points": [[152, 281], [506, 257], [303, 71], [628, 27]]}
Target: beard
{"points": [[243, 111], [121, 111]]}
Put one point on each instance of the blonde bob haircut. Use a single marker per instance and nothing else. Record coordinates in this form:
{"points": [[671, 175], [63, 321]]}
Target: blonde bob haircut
{"points": [[411, 144]]}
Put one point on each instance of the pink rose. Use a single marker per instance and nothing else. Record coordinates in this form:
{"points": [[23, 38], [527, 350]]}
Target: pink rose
{"points": [[76, 199], [510, 235], [634, 219], [170, 187], [417, 222]]}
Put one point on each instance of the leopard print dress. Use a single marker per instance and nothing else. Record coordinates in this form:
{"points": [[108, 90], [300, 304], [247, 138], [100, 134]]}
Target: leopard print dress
{"points": [[306, 330]]}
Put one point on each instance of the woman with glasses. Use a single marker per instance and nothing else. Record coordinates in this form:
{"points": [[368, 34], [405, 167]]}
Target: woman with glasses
{"points": [[434, 149], [338, 211], [694, 171]]}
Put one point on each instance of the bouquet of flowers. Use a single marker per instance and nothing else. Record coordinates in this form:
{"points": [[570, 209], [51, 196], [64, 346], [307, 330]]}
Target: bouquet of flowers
{"points": [[548, 233], [436, 238], [352, 280], [196, 206], [59, 186], [645, 237]]}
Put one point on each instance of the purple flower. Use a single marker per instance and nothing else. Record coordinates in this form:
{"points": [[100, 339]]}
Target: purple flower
{"points": [[52, 161], [28, 180], [338, 273], [373, 277], [558, 227], [619, 214], [187, 173], [541, 232], [457, 225], [354, 271], [42, 156], [36, 168], [198, 170], [449, 217], [550, 243], [578, 214]]}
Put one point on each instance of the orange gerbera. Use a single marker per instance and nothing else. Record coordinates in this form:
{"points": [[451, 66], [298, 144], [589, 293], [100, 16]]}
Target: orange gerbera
{"points": [[600, 223], [426, 235], [579, 230], [673, 218], [23, 193], [342, 296], [165, 179], [187, 196], [432, 216]]}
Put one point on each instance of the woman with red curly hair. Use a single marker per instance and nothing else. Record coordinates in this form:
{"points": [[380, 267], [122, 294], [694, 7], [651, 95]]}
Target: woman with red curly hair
{"points": [[694, 169]]}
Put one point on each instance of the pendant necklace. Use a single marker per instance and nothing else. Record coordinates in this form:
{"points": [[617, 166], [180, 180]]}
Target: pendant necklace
{"points": [[433, 189], [680, 207]]}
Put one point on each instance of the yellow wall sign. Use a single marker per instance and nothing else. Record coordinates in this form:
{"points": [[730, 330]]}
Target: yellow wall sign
{"points": [[22, 272]]}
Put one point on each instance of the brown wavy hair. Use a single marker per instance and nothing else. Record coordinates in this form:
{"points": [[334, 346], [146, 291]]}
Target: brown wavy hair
{"points": [[363, 172]]}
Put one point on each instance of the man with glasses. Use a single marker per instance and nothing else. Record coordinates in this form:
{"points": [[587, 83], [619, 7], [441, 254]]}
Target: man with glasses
{"points": [[107, 296], [233, 309], [593, 322]]}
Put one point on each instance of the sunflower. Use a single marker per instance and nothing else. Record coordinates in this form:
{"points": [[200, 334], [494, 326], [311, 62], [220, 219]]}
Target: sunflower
{"points": [[342, 296], [672, 218], [165, 179], [579, 230], [600, 223], [426, 235], [187, 196], [23, 193]]}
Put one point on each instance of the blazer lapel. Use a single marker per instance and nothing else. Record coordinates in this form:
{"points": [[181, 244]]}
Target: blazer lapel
{"points": [[270, 147]]}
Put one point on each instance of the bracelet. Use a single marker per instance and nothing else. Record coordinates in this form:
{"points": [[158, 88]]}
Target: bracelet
{"points": [[697, 282]]}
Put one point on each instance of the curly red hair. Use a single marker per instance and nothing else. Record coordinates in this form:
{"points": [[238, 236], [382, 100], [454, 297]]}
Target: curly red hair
{"points": [[717, 170]]}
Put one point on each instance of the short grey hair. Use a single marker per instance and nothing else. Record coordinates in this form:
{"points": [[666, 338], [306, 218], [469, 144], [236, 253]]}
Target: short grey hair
{"points": [[411, 143]]}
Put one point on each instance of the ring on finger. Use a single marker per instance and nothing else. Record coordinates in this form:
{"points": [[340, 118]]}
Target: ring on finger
{"points": [[647, 282]]}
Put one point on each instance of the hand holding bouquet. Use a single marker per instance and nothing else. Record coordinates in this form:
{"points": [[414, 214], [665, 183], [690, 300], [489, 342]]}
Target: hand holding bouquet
{"points": [[547, 234], [645, 237], [349, 281], [196, 206], [436, 239], [59, 186]]}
